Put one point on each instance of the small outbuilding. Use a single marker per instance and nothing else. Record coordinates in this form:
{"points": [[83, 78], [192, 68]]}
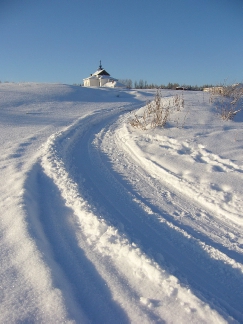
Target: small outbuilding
{"points": [[101, 78]]}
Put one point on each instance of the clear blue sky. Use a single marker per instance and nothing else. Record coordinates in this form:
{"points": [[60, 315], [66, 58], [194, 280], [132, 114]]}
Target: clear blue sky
{"points": [[160, 41]]}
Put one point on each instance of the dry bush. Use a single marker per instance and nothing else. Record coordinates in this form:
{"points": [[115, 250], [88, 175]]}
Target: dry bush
{"points": [[157, 112], [227, 111], [228, 101]]}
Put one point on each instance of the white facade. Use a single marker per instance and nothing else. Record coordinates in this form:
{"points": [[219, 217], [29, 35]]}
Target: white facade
{"points": [[91, 82]]}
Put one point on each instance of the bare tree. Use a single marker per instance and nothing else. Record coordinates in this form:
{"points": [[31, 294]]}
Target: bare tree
{"points": [[126, 82]]}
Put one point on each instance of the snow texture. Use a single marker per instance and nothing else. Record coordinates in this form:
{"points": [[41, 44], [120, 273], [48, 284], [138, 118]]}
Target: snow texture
{"points": [[104, 223]]}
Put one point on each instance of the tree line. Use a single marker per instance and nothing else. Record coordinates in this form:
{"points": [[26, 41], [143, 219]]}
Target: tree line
{"points": [[141, 84]]}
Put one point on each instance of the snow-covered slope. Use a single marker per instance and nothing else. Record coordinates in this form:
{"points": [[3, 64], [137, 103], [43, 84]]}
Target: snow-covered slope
{"points": [[102, 223]]}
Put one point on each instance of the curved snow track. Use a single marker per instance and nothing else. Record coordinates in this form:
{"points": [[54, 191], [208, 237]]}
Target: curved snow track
{"points": [[117, 249]]}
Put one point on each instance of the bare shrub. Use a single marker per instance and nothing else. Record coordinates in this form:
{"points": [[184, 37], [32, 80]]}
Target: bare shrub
{"points": [[157, 112], [228, 101]]}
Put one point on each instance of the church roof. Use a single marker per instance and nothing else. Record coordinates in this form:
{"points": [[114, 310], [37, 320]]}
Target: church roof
{"points": [[100, 76], [101, 72]]}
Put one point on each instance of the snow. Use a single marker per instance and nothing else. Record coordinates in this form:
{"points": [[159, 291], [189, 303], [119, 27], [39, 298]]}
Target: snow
{"points": [[97, 72], [104, 223], [114, 84]]}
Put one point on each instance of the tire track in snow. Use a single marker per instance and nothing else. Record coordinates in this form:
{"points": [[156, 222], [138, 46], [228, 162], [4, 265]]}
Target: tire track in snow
{"points": [[219, 201], [173, 148], [225, 236], [84, 288], [227, 273], [106, 221], [86, 295]]}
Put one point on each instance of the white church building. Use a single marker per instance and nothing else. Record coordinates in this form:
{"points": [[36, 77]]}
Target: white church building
{"points": [[101, 78]]}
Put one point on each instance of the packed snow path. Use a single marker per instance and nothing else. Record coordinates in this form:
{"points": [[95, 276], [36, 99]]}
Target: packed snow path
{"points": [[123, 232]]}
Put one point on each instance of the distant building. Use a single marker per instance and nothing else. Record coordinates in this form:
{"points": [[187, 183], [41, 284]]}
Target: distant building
{"points": [[181, 88], [102, 78], [214, 89]]}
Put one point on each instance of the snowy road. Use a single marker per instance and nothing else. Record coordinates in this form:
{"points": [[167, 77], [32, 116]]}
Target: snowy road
{"points": [[124, 226]]}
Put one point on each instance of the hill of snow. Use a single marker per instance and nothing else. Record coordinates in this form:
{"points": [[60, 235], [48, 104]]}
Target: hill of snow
{"points": [[104, 223]]}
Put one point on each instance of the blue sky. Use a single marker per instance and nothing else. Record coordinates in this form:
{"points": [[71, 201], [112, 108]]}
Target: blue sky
{"points": [[160, 41]]}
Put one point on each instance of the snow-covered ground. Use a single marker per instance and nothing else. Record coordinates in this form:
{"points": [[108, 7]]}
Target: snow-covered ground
{"points": [[104, 223]]}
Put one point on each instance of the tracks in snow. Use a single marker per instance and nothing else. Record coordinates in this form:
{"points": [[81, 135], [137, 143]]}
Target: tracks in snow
{"points": [[116, 252], [193, 206]]}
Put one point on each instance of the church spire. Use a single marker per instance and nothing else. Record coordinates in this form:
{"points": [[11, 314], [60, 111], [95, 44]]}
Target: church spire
{"points": [[100, 66]]}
